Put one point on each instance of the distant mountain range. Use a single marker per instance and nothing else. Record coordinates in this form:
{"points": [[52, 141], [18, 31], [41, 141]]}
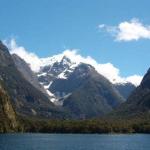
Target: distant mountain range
{"points": [[67, 89]]}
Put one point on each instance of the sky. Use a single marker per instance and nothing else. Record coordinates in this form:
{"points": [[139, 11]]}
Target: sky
{"points": [[110, 31]]}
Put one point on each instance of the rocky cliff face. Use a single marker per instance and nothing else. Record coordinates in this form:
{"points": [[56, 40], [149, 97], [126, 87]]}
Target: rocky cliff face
{"points": [[27, 73], [8, 121]]}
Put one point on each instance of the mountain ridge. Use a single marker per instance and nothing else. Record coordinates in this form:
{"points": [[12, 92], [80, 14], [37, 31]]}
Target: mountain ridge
{"points": [[138, 102]]}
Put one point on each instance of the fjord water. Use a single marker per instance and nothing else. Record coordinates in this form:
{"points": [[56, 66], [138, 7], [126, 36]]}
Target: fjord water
{"points": [[74, 142]]}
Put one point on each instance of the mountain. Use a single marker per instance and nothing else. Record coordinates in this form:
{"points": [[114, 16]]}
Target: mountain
{"points": [[139, 101], [92, 96], [66, 83], [125, 89], [27, 99], [53, 69], [8, 121], [79, 88]]}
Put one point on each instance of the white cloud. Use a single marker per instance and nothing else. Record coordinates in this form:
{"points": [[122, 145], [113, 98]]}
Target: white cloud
{"points": [[32, 59], [135, 79], [108, 70], [128, 30]]}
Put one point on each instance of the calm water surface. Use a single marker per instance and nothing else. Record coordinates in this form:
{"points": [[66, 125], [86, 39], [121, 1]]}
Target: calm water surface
{"points": [[74, 142]]}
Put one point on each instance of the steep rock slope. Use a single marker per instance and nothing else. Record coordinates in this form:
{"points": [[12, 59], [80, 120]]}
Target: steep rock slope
{"points": [[27, 99], [92, 95], [27, 73], [8, 119], [139, 101]]}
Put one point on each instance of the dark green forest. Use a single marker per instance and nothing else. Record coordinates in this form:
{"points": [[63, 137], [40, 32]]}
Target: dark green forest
{"points": [[130, 125]]}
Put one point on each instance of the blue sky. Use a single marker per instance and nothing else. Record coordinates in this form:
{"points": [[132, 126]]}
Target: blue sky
{"points": [[48, 27]]}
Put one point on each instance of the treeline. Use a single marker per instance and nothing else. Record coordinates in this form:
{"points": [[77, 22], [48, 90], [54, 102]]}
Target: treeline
{"points": [[136, 125]]}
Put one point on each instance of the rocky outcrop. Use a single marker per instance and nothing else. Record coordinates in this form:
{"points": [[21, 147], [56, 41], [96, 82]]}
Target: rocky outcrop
{"points": [[8, 121]]}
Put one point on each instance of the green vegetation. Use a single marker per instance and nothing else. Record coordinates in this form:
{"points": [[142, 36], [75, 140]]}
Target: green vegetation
{"points": [[136, 125]]}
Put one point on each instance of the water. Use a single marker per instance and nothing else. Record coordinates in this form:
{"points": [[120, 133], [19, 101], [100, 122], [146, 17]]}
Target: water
{"points": [[74, 142]]}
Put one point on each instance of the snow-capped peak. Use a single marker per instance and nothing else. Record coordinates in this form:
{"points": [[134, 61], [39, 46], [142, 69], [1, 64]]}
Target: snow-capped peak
{"points": [[67, 57], [73, 59], [108, 69]]}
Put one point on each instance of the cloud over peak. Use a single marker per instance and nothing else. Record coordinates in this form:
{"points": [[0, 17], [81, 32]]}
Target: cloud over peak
{"points": [[32, 59], [108, 70], [132, 30]]}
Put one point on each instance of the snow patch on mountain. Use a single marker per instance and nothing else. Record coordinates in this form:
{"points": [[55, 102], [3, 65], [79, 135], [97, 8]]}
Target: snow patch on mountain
{"points": [[48, 86], [42, 74], [52, 98], [62, 75]]}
